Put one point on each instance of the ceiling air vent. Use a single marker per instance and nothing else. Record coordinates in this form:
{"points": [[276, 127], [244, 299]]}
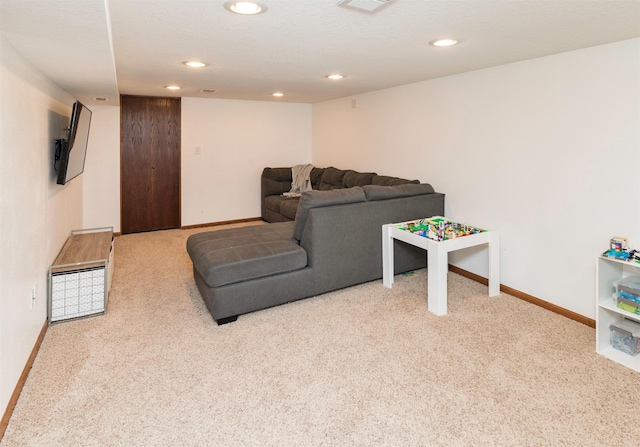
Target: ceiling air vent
{"points": [[368, 6]]}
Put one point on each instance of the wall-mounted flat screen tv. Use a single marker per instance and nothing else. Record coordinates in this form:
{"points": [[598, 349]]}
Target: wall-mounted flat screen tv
{"points": [[71, 153]]}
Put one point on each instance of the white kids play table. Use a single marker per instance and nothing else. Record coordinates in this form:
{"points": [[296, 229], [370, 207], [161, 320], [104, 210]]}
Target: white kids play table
{"points": [[445, 236]]}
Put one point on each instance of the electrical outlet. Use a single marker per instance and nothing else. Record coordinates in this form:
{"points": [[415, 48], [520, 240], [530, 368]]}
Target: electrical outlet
{"points": [[34, 295]]}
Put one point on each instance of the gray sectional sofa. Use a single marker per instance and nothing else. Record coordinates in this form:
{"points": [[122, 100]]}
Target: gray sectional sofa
{"points": [[333, 242], [276, 181]]}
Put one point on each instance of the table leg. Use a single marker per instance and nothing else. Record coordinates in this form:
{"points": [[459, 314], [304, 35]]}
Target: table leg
{"points": [[437, 269], [494, 264], [387, 256]]}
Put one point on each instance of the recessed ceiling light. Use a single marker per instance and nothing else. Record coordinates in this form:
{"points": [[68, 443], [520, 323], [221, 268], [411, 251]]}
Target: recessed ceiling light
{"points": [[195, 64], [334, 76], [246, 8], [277, 94], [172, 87], [443, 42]]}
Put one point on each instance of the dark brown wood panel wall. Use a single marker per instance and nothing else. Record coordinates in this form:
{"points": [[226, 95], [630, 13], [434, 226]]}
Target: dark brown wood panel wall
{"points": [[149, 163]]}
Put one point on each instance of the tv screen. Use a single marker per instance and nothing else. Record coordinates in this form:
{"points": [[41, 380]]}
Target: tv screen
{"points": [[74, 150]]}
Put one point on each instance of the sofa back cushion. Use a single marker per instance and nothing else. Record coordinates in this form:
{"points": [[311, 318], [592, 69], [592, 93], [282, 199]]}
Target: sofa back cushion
{"points": [[316, 177], [354, 178], [278, 174], [318, 199], [275, 181], [378, 192], [385, 180], [331, 179]]}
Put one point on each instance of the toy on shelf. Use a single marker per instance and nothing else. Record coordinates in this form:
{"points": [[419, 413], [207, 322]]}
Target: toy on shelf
{"points": [[438, 229], [627, 294], [618, 243], [619, 249]]}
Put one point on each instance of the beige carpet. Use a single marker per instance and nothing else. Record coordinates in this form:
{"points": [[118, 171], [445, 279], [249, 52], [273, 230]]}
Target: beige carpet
{"points": [[365, 366]]}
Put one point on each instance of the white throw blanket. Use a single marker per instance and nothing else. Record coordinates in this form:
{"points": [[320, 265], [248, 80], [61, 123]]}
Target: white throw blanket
{"points": [[301, 182]]}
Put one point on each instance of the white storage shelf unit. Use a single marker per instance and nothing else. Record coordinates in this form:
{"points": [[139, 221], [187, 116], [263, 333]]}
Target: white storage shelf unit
{"points": [[607, 311], [80, 277]]}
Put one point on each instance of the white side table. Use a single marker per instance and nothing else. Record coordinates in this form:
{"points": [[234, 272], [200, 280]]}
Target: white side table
{"points": [[438, 259]]}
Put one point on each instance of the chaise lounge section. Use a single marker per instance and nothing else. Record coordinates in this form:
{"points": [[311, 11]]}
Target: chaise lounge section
{"points": [[334, 242]]}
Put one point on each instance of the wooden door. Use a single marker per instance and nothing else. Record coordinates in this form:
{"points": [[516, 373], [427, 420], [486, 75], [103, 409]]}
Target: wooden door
{"points": [[149, 163]]}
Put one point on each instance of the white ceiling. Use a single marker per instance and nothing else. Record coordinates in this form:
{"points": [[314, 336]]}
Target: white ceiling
{"points": [[103, 48]]}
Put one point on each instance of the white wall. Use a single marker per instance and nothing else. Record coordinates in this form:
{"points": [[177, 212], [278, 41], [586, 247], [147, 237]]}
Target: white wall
{"points": [[36, 215], [237, 140], [101, 177], [545, 151]]}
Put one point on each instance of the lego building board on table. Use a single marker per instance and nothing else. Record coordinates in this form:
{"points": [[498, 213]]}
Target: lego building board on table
{"points": [[439, 229]]}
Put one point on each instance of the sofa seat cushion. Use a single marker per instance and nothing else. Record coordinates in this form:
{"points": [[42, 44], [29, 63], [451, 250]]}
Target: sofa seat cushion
{"points": [[289, 207], [275, 203], [238, 254]]}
